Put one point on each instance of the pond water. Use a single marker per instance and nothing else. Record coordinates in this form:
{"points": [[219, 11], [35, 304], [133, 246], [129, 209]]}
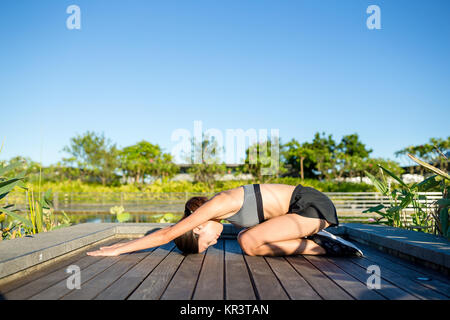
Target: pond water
{"points": [[128, 217], [158, 217]]}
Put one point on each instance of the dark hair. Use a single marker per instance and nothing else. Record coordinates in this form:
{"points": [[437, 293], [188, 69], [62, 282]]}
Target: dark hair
{"points": [[188, 242]]}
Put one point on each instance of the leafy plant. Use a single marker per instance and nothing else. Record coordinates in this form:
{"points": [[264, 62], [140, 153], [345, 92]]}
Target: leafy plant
{"points": [[39, 217], [399, 199], [168, 218], [6, 185], [441, 212], [424, 217], [118, 211]]}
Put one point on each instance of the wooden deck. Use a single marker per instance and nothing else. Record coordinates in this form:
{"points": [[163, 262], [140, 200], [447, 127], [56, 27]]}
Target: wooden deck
{"points": [[224, 273]]}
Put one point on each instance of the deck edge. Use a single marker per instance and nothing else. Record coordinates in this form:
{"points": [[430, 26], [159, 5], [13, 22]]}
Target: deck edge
{"points": [[426, 249], [19, 255]]}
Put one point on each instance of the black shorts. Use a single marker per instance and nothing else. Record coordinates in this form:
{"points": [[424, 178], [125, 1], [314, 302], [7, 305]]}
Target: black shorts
{"points": [[311, 203]]}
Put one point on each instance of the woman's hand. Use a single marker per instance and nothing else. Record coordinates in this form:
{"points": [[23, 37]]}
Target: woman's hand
{"points": [[113, 246], [151, 240], [109, 251], [105, 252]]}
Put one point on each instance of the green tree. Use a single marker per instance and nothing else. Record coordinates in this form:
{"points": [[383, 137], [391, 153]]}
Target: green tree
{"points": [[350, 145], [23, 165], [94, 155], [298, 159], [309, 159], [325, 158], [351, 154], [442, 150], [430, 152], [165, 168], [60, 172], [146, 159], [262, 162], [323, 148], [137, 160], [371, 166], [208, 166]]}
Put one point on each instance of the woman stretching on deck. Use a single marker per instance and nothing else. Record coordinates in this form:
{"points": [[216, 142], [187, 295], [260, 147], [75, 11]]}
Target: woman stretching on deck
{"points": [[278, 220]]}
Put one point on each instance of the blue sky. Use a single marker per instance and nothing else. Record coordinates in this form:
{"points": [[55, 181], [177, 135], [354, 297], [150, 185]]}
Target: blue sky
{"points": [[143, 69]]}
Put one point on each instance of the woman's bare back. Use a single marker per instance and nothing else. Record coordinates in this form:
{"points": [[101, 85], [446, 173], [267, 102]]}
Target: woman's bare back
{"points": [[275, 199]]}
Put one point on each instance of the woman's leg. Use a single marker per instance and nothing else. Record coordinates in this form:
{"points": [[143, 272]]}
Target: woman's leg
{"points": [[282, 236]]}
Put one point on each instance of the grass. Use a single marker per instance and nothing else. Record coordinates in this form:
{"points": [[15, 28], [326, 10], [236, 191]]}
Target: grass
{"points": [[186, 186]]}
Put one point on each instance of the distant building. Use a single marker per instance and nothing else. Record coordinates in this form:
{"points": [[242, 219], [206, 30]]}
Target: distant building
{"points": [[230, 174], [230, 166]]}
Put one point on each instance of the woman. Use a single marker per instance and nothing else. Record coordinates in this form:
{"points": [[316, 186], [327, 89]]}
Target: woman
{"points": [[277, 219]]}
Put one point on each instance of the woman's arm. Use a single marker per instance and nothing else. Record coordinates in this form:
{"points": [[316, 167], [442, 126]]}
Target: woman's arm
{"points": [[217, 206]]}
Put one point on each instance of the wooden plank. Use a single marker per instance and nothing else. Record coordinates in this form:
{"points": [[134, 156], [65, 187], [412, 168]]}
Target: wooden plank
{"points": [[128, 282], [387, 289], [90, 289], [183, 283], [61, 264], [350, 284], [368, 199], [402, 282], [60, 289], [238, 285], [323, 285], [154, 285], [296, 287], [266, 284], [210, 285], [48, 280], [427, 272], [436, 282]]}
